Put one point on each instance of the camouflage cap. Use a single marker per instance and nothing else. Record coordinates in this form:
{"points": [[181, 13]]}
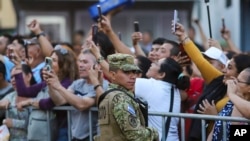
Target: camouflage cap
{"points": [[124, 62]]}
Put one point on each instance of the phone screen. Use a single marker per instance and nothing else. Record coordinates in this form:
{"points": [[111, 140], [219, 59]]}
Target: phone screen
{"points": [[48, 63], [136, 26], [175, 18]]}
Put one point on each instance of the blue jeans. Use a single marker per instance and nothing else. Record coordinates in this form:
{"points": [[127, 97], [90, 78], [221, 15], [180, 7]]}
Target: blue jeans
{"points": [[62, 134]]}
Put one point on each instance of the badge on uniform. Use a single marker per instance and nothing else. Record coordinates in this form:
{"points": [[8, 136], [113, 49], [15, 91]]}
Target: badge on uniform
{"points": [[131, 110], [132, 121]]}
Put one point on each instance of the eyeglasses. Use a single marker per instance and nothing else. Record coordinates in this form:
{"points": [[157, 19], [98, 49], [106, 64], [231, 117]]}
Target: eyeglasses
{"points": [[61, 49]]}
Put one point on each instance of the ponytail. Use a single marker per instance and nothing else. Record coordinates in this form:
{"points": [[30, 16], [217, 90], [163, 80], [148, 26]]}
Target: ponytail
{"points": [[183, 82]]}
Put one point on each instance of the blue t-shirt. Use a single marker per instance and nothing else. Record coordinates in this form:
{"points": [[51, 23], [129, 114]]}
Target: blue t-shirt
{"points": [[37, 72], [8, 65]]}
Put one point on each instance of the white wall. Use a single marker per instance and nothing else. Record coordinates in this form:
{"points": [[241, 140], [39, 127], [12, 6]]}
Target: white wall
{"points": [[218, 10]]}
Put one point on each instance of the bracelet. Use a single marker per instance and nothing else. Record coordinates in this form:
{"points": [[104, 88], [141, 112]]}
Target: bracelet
{"points": [[40, 34], [96, 86], [184, 39]]}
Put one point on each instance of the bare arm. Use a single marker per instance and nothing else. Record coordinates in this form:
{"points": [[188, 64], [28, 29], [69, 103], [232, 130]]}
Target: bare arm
{"points": [[46, 46], [57, 98], [136, 37], [241, 104], [83, 103], [202, 34], [120, 47], [103, 63], [227, 37]]}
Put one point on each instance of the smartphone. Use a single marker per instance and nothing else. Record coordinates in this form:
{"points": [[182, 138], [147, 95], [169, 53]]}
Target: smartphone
{"points": [[136, 26], [175, 18], [99, 12], [48, 64], [223, 25], [94, 32]]}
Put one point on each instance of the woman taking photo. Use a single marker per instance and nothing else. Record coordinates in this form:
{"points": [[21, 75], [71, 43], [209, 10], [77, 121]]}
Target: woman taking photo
{"points": [[64, 66]]}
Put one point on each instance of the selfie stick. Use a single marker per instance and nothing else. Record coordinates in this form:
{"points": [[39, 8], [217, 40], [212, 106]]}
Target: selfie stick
{"points": [[209, 22]]}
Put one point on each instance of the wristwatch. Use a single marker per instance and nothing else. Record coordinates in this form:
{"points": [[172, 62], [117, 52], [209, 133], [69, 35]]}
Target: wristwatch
{"points": [[100, 59], [40, 34]]}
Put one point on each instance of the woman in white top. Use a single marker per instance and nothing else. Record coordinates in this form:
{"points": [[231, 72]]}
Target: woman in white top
{"points": [[164, 77]]}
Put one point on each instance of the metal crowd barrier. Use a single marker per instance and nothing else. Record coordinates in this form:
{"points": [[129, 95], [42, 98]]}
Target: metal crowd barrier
{"points": [[182, 117]]}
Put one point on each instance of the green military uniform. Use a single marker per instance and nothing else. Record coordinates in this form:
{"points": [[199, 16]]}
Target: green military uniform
{"points": [[120, 118]]}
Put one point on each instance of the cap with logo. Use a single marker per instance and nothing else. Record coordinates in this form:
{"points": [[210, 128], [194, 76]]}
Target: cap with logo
{"points": [[124, 62]]}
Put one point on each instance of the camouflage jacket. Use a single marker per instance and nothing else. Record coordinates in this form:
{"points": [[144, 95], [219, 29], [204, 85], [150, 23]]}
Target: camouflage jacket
{"points": [[120, 118]]}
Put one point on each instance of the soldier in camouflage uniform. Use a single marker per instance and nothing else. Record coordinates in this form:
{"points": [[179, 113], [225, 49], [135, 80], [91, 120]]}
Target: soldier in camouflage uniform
{"points": [[120, 118]]}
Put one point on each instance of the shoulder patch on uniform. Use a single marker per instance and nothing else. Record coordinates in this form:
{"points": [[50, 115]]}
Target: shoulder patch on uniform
{"points": [[132, 121], [131, 110]]}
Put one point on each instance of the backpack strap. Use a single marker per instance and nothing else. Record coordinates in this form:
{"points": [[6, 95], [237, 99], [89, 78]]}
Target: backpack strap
{"points": [[167, 125], [104, 95], [111, 90]]}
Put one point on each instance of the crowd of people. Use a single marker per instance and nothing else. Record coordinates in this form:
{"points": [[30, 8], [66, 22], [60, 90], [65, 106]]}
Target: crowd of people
{"points": [[178, 77]]}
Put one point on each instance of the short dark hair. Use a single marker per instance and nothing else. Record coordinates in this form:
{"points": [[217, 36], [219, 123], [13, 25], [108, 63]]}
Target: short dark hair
{"points": [[175, 49], [80, 32], [9, 38], [19, 40], [159, 41], [242, 61]]}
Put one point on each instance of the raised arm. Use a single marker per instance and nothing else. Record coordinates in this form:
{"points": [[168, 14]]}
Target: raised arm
{"points": [[202, 35], [45, 44], [207, 70], [53, 82], [241, 104], [100, 60], [227, 37], [105, 26], [136, 37]]}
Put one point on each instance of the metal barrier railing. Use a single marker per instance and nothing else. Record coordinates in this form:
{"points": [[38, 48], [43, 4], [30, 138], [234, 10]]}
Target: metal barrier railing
{"points": [[182, 117]]}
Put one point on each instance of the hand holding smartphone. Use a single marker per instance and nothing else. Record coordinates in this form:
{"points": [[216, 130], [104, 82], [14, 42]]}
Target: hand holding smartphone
{"points": [[48, 64], [136, 26], [175, 19]]}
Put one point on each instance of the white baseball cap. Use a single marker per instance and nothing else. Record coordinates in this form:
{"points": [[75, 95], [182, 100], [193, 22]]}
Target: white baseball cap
{"points": [[216, 54]]}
